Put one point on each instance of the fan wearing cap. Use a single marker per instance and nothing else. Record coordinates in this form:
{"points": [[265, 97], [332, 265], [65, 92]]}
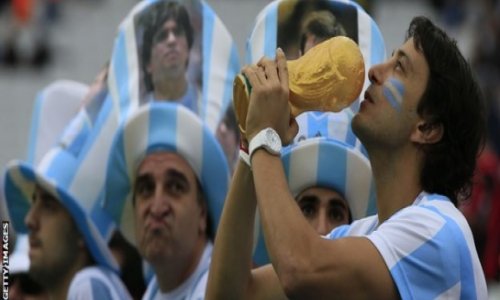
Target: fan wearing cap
{"points": [[328, 176], [166, 183], [331, 182], [68, 253]]}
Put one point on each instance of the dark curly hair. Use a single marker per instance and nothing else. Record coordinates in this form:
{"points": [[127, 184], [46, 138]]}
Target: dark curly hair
{"points": [[154, 18], [454, 100]]}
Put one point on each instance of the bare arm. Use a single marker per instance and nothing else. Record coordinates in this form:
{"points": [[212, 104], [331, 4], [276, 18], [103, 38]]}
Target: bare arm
{"points": [[307, 265], [231, 275]]}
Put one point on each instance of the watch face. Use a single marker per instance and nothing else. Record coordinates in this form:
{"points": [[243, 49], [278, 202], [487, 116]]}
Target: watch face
{"points": [[274, 140]]}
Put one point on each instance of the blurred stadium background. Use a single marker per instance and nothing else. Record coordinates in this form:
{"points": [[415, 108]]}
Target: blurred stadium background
{"points": [[82, 34]]}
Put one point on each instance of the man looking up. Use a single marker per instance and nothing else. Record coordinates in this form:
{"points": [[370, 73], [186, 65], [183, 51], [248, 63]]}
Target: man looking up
{"points": [[422, 123]]}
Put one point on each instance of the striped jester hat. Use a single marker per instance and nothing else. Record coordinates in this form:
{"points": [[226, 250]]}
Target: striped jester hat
{"points": [[167, 127], [56, 174]]}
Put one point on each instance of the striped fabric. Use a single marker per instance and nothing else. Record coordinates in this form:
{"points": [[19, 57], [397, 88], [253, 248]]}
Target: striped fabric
{"points": [[263, 38], [220, 63], [338, 160], [124, 94], [330, 125], [329, 163], [160, 126], [97, 283], [56, 174], [332, 164], [428, 248], [55, 106]]}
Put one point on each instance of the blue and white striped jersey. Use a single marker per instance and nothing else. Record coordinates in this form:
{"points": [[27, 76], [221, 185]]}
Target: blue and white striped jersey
{"points": [[428, 248], [97, 283]]}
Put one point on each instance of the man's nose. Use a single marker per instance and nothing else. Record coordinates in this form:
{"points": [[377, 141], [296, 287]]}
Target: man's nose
{"points": [[378, 73], [323, 226], [160, 204], [171, 36], [31, 219]]}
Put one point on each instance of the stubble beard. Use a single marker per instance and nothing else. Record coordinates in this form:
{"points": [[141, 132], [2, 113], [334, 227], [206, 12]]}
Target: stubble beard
{"points": [[49, 274], [155, 247]]}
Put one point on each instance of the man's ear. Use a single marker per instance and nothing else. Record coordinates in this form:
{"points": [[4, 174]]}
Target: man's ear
{"points": [[427, 133]]}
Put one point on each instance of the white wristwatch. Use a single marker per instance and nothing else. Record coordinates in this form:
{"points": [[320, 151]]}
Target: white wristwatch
{"points": [[268, 139]]}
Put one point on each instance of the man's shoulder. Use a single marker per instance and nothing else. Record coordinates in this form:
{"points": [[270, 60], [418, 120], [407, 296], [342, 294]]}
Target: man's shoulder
{"points": [[96, 282], [432, 219], [433, 206], [93, 272], [359, 227]]}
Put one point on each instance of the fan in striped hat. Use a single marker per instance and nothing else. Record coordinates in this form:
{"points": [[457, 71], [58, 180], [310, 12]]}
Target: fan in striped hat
{"points": [[166, 184], [329, 177], [68, 253], [174, 51]]}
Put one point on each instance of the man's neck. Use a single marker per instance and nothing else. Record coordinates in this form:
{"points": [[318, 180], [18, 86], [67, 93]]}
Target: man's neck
{"points": [[397, 179], [171, 274], [60, 288], [171, 89]]}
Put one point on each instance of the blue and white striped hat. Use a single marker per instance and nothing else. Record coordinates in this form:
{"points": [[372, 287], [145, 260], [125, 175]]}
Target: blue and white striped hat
{"points": [[332, 125], [331, 164], [220, 63], [328, 163], [315, 156], [55, 174], [168, 127], [55, 106], [264, 37]]}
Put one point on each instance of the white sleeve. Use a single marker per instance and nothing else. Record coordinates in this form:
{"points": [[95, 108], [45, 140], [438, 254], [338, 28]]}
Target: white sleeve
{"points": [[425, 252], [94, 283]]}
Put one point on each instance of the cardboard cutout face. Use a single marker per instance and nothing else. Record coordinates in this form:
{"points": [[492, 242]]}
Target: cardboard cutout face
{"points": [[303, 24], [168, 35]]}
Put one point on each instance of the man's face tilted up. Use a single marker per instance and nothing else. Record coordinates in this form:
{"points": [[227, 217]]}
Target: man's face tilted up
{"points": [[389, 113]]}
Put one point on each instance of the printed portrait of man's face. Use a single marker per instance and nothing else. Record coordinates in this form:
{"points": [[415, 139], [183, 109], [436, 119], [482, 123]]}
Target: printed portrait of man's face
{"points": [[168, 35], [304, 24]]}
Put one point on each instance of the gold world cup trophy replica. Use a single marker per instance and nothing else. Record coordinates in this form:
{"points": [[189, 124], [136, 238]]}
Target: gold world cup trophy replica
{"points": [[329, 77]]}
